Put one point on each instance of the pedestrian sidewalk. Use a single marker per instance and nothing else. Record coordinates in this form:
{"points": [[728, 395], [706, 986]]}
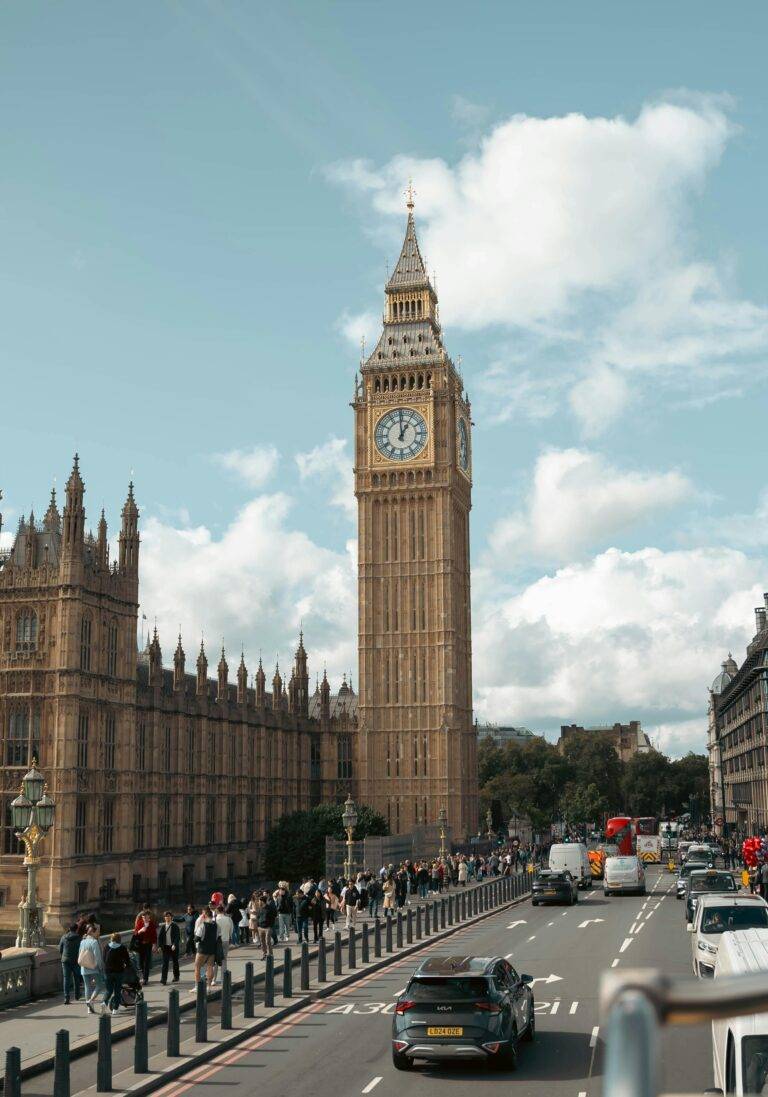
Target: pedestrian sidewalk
{"points": [[32, 1027]]}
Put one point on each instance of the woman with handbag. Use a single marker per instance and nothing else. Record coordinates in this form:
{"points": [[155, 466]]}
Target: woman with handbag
{"points": [[91, 963]]}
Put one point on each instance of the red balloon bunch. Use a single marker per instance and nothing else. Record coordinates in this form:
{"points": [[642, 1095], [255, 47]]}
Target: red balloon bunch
{"points": [[753, 851]]}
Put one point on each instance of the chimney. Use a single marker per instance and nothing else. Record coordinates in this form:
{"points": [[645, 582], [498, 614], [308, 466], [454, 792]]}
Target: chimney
{"points": [[760, 616]]}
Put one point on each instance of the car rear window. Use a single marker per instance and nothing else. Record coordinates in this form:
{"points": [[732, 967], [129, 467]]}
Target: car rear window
{"points": [[623, 863], [544, 878], [720, 881], [722, 919], [692, 866], [447, 990]]}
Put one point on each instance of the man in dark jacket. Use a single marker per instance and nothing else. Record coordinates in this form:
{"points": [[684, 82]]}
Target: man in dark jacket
{"points": [[169, 943], [117, 960], [266, 917], [69, 949]]}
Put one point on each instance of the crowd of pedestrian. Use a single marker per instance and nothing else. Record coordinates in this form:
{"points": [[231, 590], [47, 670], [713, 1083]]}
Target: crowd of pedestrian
{"points": [[270, 917]]}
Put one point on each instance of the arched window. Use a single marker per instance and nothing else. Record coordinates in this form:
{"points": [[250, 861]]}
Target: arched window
{"points": [[26, 630], [112, 649], [377, 384], [85, 643]]}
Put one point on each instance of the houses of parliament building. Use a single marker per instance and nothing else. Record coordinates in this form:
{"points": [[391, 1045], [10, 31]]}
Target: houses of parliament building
{"points": [[166, 777]]}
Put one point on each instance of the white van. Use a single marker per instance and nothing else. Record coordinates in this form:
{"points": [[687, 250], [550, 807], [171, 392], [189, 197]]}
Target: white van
{"points": [[573, 857], [740, 1044], [622, 875]]}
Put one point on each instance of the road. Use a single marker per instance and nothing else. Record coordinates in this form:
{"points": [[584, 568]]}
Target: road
{"points": [[341, 1044]]}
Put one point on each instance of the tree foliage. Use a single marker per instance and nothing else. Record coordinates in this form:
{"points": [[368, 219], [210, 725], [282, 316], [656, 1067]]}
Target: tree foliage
{"points": [[296, 845], [586, 781]]}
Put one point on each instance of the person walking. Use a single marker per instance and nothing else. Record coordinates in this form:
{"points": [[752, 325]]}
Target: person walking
{"points": [[463, 873], [350, 903], [332, 904], [225, 926], [233, 910], [284, 902], [145, 932], [317, 910], [69, 950], [375, 895], [169, 944], [253, 922], [302, 910], [388, 891], [190, 917], [117, 960], [206, 935], [91, 961], [266, 917], [422, 880]]}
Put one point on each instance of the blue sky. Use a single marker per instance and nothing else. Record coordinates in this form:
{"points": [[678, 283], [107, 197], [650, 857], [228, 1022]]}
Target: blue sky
{"points": [[196, 209]]}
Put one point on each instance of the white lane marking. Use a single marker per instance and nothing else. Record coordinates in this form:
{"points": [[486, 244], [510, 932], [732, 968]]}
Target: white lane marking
{"points": [[372, 1085], [550, 923], [564, 914], [632, 927], [589, 921], [532, 938], [593, 1037], [555, 1007], [574, 1007], [615, 963], [519, 922], [509, 956], [583, 1093], [625, 945], [650, 914]]}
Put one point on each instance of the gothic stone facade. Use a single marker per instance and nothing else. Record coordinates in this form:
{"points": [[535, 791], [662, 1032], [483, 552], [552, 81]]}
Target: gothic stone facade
{"points": [[161, 778]]}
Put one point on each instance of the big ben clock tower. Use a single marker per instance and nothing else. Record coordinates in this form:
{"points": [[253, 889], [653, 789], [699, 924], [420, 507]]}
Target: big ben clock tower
{"points": [[413, 480]]}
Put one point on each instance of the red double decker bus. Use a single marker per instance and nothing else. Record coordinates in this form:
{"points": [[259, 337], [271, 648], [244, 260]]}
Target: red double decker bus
{"points": [[619, 832]]}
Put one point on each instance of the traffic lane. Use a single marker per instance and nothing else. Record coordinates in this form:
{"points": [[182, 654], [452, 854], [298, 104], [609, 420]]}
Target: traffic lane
{"points": [[352, 1029], [660, 941]]}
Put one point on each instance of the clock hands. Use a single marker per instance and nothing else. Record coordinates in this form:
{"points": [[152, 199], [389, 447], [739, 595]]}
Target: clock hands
{"points": [[400, 435]]}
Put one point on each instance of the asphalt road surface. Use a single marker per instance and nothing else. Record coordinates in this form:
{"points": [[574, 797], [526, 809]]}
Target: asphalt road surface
{"points": [[341, 1045]]}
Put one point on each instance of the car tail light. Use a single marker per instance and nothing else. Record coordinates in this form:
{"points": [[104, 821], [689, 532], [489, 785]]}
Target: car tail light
{"points": [[399, 1045], [488, 1007], [403, 1007], [493, 1048]]}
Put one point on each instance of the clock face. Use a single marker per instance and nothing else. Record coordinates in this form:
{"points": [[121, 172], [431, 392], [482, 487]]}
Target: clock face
{"points": [[401, 434], [463, 445]]}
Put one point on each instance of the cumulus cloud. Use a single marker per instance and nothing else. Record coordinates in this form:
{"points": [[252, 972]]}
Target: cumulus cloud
{"points": [[254, 584], [356, 327], [332, 464], [623, 635], [578, 500], [581, 224], [255, 466]]}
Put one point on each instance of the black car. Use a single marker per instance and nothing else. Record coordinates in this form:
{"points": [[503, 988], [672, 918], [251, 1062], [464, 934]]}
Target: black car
{"points": [[711, 881], [685, 871], [554, 887], [463, 1008]]}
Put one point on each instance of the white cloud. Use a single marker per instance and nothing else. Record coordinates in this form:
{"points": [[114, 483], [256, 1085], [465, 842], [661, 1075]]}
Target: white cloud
{"points": [[578, 500], [6, 540], [254, 584], [358, 326], [331, 463], [624, 635], [679, 737], [582, 224], [254, 466]]}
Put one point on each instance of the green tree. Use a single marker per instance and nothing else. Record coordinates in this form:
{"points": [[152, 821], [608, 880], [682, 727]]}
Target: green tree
{"points": [[594, 760], [689, 776], [530, 783], [490, 761], [296, 845], [583, 803], [648, 784]]}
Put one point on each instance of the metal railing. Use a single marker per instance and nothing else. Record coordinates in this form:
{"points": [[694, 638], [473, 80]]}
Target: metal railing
{"points": [[636, 1002]]}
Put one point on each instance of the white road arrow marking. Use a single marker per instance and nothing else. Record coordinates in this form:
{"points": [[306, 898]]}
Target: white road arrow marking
{"points": [[547, 979], [589, 921], [519, 922]]}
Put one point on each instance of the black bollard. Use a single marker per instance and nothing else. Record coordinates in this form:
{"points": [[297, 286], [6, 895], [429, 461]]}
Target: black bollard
{"points": [[337, 953], [61, 1064], [287, 974], [365, 949], [399, 928], [226, 999], [376, 936], [104, 1055], [304, 966], [427, 921], [483, 893], [140, 1041], [269, 981], [463, 906], [12, 1087], [474, 898], [388, 934], [201, 1013], [173, 1035], [352, 949], [322, 975], [450, 910], [418, 923], [248, 996], [409, 926]]}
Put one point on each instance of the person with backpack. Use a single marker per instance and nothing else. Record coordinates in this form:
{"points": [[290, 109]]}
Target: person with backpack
{"points": [[206, 934], [266, 917], [91, 963], [117, 960]]}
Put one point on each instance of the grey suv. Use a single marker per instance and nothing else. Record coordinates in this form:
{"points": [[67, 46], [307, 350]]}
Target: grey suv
{"points": [[463, 1008]]}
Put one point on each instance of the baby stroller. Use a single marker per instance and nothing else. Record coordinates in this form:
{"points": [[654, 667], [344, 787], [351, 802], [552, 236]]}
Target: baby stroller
{"points": [[131, 991]]}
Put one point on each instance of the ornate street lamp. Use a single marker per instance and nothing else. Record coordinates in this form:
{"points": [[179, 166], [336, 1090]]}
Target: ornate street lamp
{"points": [[349, 822], [32, 814], [489, 823], [442, 817]]}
